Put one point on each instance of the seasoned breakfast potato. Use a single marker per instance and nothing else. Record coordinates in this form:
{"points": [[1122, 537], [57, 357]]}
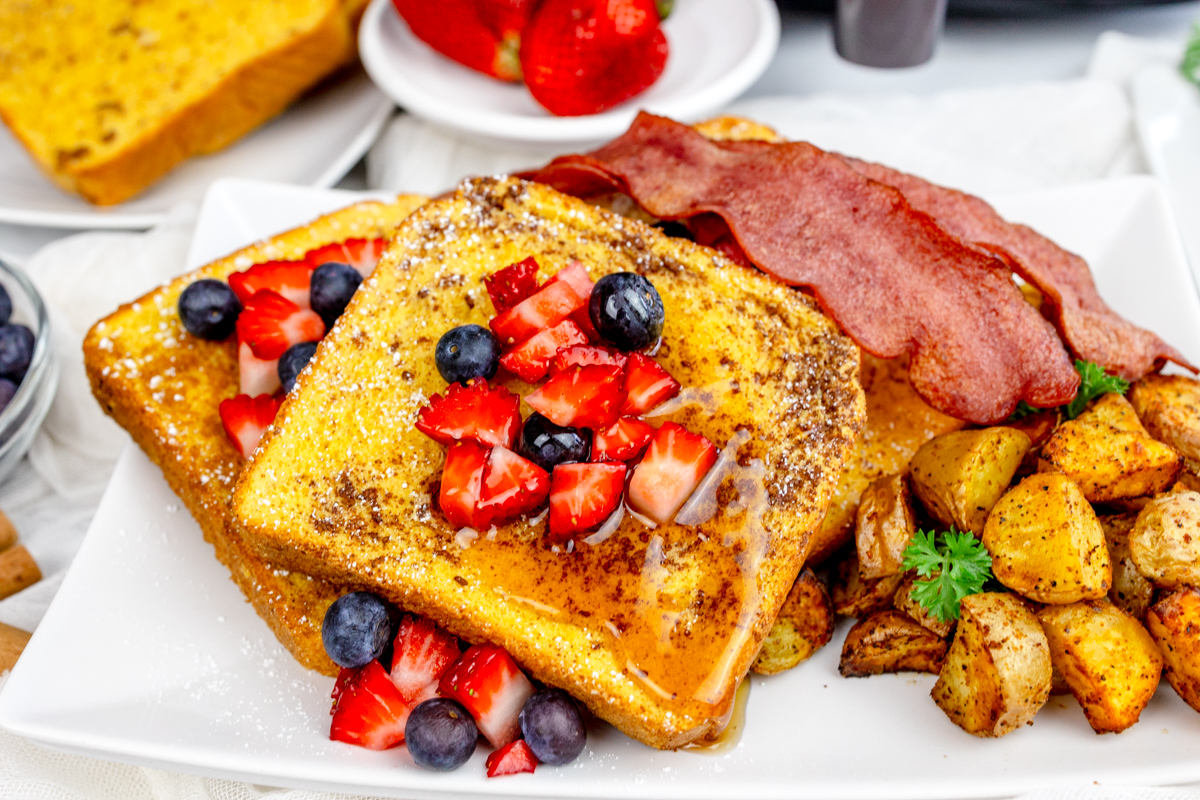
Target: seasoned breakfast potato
{"points": [[886, 521], [1038, 427], [959, 476], [1131, 591], [1165, 540], [1109, 454], [1169, 407], [1106, 657], [856, 596], [903, 601], [1174, 622], [804, 626], [997, 672], [890, 641], [1046, 542]]}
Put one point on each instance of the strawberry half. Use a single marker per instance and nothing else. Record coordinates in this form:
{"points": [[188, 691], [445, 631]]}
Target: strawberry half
{"points": [[531, 359], [581, 397], [511, 759], [665, 478], [512, 486], [576, 275], [624, 441], [511, 285], [490, 416], [581, 355], [257, 375], [484, 35], [462, 479], [362, 254], [270, 324], [247, 418], [370, 711], [290, 278], [421, 653], [492, 687], [345, 675], [549, 306], [647, 384], [582, 496]]}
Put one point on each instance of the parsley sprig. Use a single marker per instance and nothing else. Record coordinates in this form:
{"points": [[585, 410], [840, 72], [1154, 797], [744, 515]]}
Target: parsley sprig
{"points": [[1190, 66], [957, 565], [1093, 381]]}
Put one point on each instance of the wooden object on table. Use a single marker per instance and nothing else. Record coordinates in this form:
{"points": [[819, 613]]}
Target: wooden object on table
{"points": [[12, 643], [18, 570], [8, 533]]}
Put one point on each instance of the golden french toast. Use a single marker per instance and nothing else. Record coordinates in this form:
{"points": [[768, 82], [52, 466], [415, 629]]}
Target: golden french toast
{"points": [[652, 628], [164, 386]]}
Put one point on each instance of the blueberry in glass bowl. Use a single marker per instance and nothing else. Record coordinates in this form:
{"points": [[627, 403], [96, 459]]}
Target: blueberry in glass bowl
{"points": [[28, 371]]}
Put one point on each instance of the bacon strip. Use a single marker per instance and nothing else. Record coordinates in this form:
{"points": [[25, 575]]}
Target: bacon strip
{"points": [[894, 280]]}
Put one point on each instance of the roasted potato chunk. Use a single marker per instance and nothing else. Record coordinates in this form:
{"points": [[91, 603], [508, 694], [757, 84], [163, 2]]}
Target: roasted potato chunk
{"points": [[1174, 622], [1165, 541], [997, 672], [1169, 407], [1046, 542], [856, 596], [959, 476], [890, 641], [886, 521], [1109, 454], [903, 601], [804, 625], [1131, 591], [1106, 657]]}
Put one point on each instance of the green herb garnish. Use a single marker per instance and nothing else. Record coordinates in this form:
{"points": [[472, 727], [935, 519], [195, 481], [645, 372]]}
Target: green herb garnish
{"points": [[1190, 66], [956, 563], [1093, 382]]}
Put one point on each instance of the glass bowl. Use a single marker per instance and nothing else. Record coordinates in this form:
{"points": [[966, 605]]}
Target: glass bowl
{"points": [[21, 418]]}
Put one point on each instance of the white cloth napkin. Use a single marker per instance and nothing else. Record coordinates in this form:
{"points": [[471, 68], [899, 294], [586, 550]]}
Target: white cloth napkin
{"points": [[986, 141]]}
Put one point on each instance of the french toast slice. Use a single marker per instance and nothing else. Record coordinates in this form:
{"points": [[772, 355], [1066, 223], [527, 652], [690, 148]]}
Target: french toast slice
{"points": [[164, 386], [652, 628]]}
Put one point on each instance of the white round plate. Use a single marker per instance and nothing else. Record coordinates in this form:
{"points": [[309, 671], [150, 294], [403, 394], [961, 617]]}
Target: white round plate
{"points": [[313, 143], [718, 49]]}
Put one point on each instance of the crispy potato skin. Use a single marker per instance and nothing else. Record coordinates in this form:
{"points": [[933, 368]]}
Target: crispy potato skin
{"points": [[997, 672], [959, 476], [890, 641], [1165, 541], [856, 596], [886, 522], [1174, 622], [903, 601], [1109, 454], [1169, 407], [1108, 660], [804, 626], [1131, 591], [1046, 542]]}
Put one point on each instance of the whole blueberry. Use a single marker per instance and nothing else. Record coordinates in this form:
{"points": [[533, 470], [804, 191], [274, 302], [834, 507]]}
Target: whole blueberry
{"points": [[627, 311], [466, 352], [7, 390], [547, 444], [440, 734], [553, 727], [333, 284], [356, 629], [209, 309], [5, 305], [292, 361], [16, 350]]}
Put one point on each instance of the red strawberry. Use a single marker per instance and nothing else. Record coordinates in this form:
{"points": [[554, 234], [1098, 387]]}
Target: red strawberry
{"points": [[581, 397], [343, 680], [664, 479], [582, 496], [581, 318], [530, 360], [553, 303], [586, 56], [484, 35], [290, 278], [581, 355], [246, 418], [624, 441], [648, 385], [270, 324], [577, 276], [421, 653], [362, 254], [512, 486], [370, 711], [257, 375], [489, 416], [514, 757], [492, 687], [462, 479], [511, 285]]}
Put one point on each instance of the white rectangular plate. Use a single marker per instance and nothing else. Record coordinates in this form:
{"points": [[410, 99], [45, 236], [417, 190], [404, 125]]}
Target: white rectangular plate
{"points": [[150, 655]]}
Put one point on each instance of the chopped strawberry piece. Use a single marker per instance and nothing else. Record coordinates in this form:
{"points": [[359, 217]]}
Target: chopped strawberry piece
{"points": [[511, 285], [665, 478], [270, 324], [462, 479], [370, 711], [246, 418], [582, 496], [553, 303], [512, 486], [514, 757], [339, 686], [581, 355], [290, 278], [648, 385], [581, 318], [624, 441], [582, 397], [362, 254], [490, 416], [422, 652], [577, 276], [530, 360], [492, 687], [484, 35], [257, 375]]}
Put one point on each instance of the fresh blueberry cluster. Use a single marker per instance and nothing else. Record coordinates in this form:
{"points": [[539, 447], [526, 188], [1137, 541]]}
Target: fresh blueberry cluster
{"points": [[16, 351]]}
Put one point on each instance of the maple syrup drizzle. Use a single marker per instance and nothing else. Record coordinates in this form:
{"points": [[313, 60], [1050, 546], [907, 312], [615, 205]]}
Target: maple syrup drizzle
{"points": [[731, 734], [709, 398]]}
